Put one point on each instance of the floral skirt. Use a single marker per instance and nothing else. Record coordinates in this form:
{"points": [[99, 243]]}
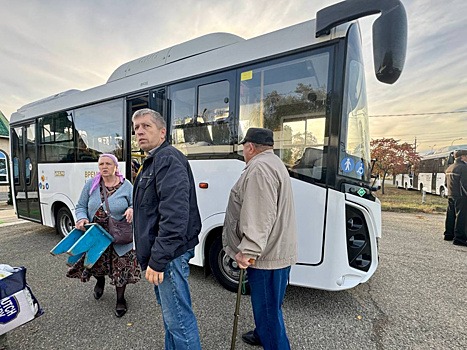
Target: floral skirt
{"points": [[121, 269]]}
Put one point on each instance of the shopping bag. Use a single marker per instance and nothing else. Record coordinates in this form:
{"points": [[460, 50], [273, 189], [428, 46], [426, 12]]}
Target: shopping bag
{"points": [[18, 304]]}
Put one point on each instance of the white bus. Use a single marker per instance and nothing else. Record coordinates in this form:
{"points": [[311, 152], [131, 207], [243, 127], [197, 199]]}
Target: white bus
{"points": [[408, 180], [432, 169], [305, 82]]}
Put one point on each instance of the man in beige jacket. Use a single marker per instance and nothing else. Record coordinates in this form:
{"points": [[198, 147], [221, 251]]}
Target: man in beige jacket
{"points": [[260, 234]]}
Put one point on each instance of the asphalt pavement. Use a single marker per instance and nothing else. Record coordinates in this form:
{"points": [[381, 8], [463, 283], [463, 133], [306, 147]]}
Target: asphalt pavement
{"points": [[415, 300]]}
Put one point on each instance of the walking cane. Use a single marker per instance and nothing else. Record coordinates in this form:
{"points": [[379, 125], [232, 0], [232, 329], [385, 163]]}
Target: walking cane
{"points": [[237, 310]]}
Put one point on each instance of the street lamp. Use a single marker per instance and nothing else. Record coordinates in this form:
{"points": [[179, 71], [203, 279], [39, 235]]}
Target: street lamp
{"points": [[460, 138]]}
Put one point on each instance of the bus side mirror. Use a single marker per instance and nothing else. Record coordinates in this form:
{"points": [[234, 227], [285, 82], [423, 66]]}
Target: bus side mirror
{"points": [[373, 162], [390, 44], [389, 31]]}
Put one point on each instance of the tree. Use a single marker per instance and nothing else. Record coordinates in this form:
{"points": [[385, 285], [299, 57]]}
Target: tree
{"points": [[392, 157]]}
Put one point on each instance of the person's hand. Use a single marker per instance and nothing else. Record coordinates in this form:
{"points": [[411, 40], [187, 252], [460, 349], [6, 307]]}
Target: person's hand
{"points": [[154, 277], [80, 224], [242, 261], [129, 215]]}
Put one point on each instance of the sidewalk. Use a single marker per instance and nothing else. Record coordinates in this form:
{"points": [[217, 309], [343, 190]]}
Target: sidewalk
{"points": [[8, 216]]}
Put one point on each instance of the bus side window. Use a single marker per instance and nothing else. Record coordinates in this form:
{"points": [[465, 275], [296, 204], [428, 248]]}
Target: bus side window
{"points": [[311, 163], [196, 132], [221, 132]]}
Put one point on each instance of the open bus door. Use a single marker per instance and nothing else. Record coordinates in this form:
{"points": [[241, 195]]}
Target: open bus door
{"points": [[25, 181], [156, 101]]}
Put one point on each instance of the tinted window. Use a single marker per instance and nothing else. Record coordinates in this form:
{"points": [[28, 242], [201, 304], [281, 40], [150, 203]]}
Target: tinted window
{"points": [[99, 130], [56, 138], [200, 116], [290, 99]]}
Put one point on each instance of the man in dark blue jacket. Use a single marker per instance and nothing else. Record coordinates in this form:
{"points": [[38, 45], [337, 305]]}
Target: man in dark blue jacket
{"points": [[166, 225]]}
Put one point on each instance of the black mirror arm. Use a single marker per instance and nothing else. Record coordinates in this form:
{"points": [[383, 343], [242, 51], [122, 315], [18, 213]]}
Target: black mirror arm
{"points": [[350, 10]]}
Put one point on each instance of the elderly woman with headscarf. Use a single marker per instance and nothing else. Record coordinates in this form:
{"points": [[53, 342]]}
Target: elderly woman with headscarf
{"points": [[119, 260]]}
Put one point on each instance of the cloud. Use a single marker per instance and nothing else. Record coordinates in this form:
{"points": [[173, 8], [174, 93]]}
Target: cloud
{"points": [[53, 46]]}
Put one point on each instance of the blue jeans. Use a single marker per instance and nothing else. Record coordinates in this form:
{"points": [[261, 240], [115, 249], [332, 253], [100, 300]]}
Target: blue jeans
{"points": [[173, 295], [267, 294]]}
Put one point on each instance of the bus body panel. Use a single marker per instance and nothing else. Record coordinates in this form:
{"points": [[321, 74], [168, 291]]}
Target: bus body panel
{"points": [[406, 181], [222, 175], [334, 273], [210, 224], [424, 182], [63, 184], [310, 211]]}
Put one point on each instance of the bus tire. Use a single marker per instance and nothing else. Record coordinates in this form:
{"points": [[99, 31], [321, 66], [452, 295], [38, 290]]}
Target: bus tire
{"points": [[64, 221], [225, 269], [442, 192]]}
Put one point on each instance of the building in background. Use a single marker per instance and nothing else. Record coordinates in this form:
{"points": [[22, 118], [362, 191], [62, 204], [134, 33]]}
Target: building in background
{"points": [[4, 156]]}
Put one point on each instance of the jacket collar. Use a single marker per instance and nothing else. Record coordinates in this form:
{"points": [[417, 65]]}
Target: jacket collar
{"points": [[154, 151], [258, 156]]}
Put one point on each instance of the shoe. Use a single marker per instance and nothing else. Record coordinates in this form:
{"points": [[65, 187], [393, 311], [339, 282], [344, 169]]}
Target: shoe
{"points": [[121, 308], [448, 237], [457, 242], [98, 291], [251, 338]]}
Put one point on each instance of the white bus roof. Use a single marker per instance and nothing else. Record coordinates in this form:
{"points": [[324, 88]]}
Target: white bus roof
{"points": [[442, 153], [209, 53]]}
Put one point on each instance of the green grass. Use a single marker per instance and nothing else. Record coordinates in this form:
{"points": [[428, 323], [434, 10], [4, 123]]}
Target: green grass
{"points": [[400, 200]]}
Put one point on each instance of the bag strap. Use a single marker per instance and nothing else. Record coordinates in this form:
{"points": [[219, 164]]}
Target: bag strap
{"points": [[106, 200]]}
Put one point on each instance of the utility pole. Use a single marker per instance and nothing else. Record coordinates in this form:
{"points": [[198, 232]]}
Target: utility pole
{"points": [[415, 145]]}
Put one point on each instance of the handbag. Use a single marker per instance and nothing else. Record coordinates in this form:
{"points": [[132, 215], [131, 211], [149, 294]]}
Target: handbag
{"points": [[18, 304], [121, 231]]}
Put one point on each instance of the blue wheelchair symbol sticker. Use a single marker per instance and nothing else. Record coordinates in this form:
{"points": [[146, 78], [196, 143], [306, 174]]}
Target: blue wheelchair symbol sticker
{"points": [[360, 168]]}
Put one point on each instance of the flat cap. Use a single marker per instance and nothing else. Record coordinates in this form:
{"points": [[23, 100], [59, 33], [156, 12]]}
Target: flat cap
{"points": [[259, 136]]}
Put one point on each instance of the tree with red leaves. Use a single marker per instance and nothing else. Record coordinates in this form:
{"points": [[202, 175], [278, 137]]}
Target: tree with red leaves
{"points": [[392, 157]]}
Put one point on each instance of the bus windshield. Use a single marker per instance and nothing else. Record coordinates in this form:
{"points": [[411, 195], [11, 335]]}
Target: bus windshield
{"points": [[354, 152]]}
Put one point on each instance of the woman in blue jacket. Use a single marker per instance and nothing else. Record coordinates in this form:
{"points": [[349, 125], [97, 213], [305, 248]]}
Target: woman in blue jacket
{"points": [[119, 260]]}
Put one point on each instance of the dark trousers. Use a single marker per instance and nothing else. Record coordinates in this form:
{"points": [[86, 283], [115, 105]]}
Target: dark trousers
{"points": [[461, 220], [456, 218], [450, 218], [267, 294]]}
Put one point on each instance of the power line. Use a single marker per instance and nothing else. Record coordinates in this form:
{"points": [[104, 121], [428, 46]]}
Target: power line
{"points": [[447, 134], [414, 114]]}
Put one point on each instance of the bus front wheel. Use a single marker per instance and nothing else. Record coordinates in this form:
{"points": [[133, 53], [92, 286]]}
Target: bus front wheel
{"points": [[225, 269], [442, 192], [64, 222]]}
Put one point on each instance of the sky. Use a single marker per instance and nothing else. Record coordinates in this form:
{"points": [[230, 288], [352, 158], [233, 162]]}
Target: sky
{"points": [[51, 46]]}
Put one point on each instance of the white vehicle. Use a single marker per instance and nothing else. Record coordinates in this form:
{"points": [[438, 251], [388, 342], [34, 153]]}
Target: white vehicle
{"points": [[432, 169], [407, 180], [305, 82]]}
